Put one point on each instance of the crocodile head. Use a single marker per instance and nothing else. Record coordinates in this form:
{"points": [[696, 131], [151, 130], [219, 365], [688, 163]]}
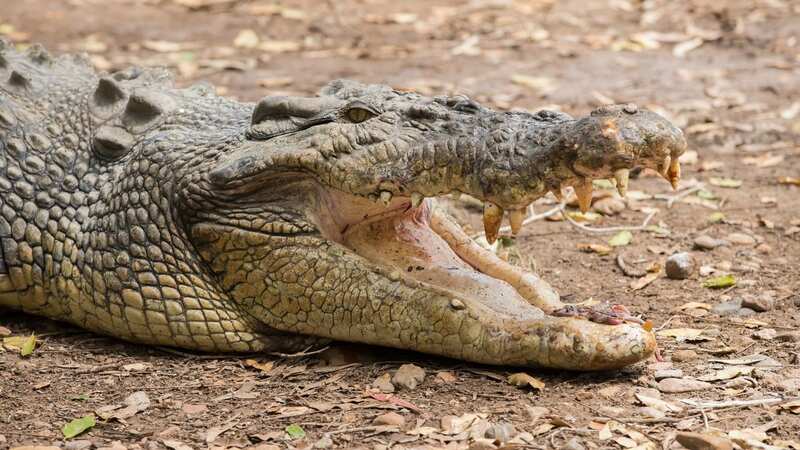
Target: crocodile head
{"points": [[323, 221]]}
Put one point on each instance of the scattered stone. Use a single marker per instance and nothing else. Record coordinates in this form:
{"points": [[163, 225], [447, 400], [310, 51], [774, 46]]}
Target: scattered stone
{"points": [[501, 432], [765, 334], [684, 355], [574, 444], [446, 377], [535, 412], [681, 385], [761, 303], [36, 447], [384, 383], [408, 376], [706, 242], [701, 441], [611, 411], [324, 442], [609, 206], [669, 373], [115, 445], [679, 266], [727, 308], [649, 411], [764, 248], [79, 444], [390, 418], [5, 332], [740, 239]]}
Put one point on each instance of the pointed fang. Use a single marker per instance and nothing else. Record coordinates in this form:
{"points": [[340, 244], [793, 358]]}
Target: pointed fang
{"points": [[674, 173], [622, 176], [516, 217], [584, 192], [492, 218]]}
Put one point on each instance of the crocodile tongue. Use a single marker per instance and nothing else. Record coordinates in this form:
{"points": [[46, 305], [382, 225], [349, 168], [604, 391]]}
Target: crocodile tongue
{"points": [[405, 242]]}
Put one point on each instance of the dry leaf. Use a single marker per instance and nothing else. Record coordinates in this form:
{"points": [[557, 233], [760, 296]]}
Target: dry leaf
{"points": [[522, 379], [644, 281]]}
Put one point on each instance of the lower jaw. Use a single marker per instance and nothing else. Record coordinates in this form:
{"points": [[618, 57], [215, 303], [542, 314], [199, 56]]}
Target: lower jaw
{"points": [[426, 245]]}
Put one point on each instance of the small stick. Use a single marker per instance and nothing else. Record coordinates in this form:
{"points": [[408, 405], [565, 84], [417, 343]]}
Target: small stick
{"points": [[601, 230], [738, 403]]}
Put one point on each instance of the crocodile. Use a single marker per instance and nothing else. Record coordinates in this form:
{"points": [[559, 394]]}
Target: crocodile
{"points": [[175, 217]]}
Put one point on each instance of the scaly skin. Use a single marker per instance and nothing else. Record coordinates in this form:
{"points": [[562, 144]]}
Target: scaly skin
{"points": [[175, 217]]}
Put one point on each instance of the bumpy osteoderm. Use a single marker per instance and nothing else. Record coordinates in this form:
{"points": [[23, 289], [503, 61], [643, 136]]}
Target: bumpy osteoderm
{"points": [[175, 217]]}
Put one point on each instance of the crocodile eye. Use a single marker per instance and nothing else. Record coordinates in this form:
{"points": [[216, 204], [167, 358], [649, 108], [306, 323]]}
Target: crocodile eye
{"points": [[357, 114]]}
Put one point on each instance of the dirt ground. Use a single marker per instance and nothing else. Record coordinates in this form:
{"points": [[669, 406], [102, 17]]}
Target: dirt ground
{"points": [[728, 72]]}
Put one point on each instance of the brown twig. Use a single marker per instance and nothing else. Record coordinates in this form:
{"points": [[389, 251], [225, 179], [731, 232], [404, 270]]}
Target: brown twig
{"points": [[601, 230]]}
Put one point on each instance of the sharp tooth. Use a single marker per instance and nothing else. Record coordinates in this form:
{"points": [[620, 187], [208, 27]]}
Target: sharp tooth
{"points": [[584, 192], [416, 199], [664, 169], [492, 218], [386, 197], [516, 217], [674, 173], [622, 176]]}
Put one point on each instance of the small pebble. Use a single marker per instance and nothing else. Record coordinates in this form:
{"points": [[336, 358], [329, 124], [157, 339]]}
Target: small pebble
{"points": [[501, 432], [669, 373], [80, 444], [679, 266], [740, 239], [764, 249], [324, 442], [574, 444], [706, 242], [727, 308], [760, 303], [384, 383], [408, 376], [701, 441], [390, 418], [765, 334], [684, 355]]}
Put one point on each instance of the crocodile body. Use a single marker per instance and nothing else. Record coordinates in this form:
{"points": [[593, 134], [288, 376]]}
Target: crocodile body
{"points": [[176, 217]]}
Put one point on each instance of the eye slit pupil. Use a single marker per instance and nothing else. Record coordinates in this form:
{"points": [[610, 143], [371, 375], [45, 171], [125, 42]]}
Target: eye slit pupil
{"points": [[358, 115]]}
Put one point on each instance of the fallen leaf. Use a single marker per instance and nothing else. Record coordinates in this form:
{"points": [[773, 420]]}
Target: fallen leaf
{"points": [[693, 305], [522, 379], [214, 432], [716, 217], [727, 373], [752, 359], [641, 283], [295, 431], [134, 403], [683, 334], [25, 344], [621, 239], [765, 160], [265, 367], [791, 406], [720, 282], [600, 249], [657, 403], [78, 426], [731, 183]]}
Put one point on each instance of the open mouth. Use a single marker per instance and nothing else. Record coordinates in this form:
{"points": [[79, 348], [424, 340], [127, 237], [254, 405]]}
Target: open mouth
{"points": [[424, 244]]}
